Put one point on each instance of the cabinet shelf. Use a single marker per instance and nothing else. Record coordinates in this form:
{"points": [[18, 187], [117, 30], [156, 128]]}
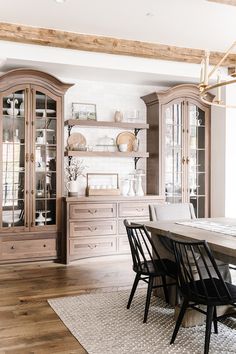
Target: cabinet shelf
{"points": [[104, 124], [106, 154]]}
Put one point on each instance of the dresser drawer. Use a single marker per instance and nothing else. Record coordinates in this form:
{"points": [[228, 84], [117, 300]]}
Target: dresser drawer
{"points": [[133, 209], [121, 226], [93, 246], [92, 228], [92, 211], [28, 249]]}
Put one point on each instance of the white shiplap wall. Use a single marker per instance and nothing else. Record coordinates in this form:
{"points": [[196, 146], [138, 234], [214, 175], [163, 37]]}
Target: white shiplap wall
{"points": [[108, 97]]}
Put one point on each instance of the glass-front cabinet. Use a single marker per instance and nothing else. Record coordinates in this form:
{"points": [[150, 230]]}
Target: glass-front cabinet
{"points": [[31, 168], [178, 141], [186, 154]]}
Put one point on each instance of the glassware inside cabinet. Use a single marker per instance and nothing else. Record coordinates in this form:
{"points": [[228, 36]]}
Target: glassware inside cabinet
{"points": [[173, 153], [13, 160], [197, 157], [45, 160]]}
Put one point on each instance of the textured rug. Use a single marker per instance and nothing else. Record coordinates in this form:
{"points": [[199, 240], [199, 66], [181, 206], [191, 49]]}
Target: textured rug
{"points": [[103, 325]]}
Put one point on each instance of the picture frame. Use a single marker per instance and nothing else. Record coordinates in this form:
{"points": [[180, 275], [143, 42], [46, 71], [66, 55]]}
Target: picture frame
{"points": [[84, 111]]}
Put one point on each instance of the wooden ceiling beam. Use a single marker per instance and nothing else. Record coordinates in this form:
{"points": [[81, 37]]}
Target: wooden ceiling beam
{"points": [[226, 2], [101, 44]]}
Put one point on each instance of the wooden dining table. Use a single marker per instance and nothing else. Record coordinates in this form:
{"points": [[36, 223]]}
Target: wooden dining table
{"points": [[222, 245]]}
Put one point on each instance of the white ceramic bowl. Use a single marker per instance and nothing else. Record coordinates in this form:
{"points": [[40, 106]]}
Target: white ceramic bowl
{"points": [[123, 147]]}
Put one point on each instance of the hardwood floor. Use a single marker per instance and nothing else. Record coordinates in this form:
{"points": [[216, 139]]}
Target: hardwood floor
{"points": [[28, 325]]}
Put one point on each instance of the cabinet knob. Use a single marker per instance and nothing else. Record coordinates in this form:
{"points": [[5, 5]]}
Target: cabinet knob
{"points": [[12, 247], [188, 159], [27, 157], [32, 157], [32, 192], [32, 224], [26, 224], [44, 245], [183, 160]]}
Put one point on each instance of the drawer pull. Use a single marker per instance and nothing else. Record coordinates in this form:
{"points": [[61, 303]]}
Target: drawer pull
{"points": [[12, 247], [92, 246], [44, 245], [139, 209], [93, 228], [92, 211]]}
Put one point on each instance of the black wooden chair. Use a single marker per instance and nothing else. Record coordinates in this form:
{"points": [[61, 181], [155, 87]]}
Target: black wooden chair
{"points": [[147, 263], [193, 259]]}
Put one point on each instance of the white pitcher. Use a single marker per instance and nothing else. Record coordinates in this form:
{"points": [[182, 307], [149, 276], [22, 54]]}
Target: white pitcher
{"points": [[72, 186]]}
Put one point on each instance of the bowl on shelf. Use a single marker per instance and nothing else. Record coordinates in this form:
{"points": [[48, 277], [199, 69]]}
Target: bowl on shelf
{"points": [[123, 147]]}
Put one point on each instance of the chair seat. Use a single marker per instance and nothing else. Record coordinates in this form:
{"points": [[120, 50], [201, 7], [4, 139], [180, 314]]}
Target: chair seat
{"points": [[213, 292], [161, 268]]}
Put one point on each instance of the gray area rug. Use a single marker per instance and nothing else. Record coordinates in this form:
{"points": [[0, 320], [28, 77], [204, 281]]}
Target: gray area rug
{"points": [[103, 325]]}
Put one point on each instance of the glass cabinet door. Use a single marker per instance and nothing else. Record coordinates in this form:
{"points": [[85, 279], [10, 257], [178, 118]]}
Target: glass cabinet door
{"points": [[197, 169], [45, 136], [13, 168], [173, 152]]}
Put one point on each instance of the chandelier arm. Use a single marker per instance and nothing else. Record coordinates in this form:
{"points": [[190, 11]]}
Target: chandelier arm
{"points": [[222, 60], [218, 84], [216, 104]]}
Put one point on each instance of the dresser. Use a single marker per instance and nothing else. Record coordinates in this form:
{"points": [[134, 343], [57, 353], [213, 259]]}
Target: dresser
{"points": [[94, 225]]}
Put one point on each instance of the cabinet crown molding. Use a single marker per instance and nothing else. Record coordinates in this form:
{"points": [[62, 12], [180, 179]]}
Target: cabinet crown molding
{"points": [[32, 76]]}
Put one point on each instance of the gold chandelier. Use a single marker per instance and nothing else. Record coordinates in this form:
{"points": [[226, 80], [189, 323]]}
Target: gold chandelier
{"points": [[205, 87]]}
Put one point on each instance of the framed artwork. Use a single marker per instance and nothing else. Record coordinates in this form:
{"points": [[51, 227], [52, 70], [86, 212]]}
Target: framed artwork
{"points": [[84, 111]]}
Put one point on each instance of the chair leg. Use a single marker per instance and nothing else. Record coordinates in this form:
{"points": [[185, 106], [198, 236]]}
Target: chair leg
{"points": [[179, 319], [215, 321], [209, 318], [136, 280], [165, 289], [148, 298]]}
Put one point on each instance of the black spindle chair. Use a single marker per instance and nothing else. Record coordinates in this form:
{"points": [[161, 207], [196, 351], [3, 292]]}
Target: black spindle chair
{"points": [[147, 263], [194, 259]]}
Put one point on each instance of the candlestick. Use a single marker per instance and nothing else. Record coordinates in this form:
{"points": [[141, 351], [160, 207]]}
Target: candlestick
{"points": [[207, 55]]}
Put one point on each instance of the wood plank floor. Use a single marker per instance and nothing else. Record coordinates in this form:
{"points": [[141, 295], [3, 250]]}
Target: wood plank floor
{"points": [[28, 325]]}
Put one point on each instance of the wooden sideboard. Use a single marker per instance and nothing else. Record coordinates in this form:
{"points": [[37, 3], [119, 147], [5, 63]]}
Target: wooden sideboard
{"points": [[94, 225]]}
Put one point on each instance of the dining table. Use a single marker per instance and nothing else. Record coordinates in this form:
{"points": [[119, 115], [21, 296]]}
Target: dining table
{"points": [[220, 234]]}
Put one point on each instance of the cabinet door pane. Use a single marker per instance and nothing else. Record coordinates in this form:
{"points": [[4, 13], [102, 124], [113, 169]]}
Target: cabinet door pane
{"points": [[173, 153], [13, 160], [197, 159], [45, 160]]}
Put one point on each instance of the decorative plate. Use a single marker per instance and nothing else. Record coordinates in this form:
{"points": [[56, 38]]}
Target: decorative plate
{"points": [[76, 139], [126, 138]]}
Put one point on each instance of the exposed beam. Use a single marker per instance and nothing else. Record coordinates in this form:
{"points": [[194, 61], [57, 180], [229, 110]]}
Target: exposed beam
{"points": [[226, 2], [92, 43]]}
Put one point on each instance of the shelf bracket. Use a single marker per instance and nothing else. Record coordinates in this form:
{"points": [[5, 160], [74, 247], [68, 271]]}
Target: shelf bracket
{"points": [[69, 129], [135, 162], [136, 131]]}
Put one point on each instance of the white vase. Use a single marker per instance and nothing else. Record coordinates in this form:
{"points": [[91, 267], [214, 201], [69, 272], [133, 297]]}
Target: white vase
{"points": [[131, 192], [118, 116], [139, 188], [125, 187], [12, 111], [72, 186]]}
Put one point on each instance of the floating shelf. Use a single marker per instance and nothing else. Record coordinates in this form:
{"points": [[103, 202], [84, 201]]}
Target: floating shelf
{"points": [[104, 124], [106, 154]]}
